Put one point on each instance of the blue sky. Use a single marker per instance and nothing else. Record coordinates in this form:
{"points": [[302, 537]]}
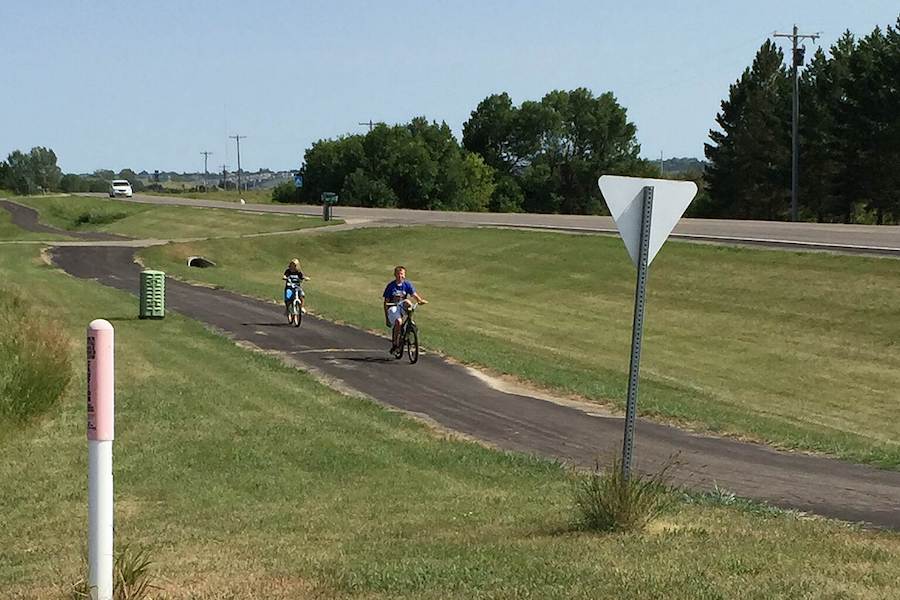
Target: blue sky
{"points": [[149, 85]]}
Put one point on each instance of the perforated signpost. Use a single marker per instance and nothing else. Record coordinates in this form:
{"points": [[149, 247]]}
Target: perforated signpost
{"points": [[645, 211]]}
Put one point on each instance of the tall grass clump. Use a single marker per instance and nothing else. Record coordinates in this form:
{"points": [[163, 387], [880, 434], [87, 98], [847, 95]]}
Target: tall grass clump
{"points": [[607, 501], [132, 579], [35, 363]]}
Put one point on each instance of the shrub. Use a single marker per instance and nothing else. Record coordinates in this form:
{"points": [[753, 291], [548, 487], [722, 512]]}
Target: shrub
{"points": [[93, 217], [606, 501], [35, 364], [285, 192]]}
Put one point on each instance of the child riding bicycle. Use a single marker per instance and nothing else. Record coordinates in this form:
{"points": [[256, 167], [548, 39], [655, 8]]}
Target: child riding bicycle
{"points": [[293, 278], [396, 295]]}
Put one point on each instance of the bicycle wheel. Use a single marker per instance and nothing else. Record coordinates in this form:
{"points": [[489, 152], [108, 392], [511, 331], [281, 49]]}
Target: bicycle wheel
{"points": [[398, 350], [299, 314], [412, 344]]}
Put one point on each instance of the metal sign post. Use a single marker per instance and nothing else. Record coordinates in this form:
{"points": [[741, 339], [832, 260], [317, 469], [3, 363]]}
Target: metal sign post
{"points": [[637, 331], [644, 229]]}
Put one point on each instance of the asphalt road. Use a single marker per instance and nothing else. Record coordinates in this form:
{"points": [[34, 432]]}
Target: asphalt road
{"points": [[451, 396], [881, 240]]}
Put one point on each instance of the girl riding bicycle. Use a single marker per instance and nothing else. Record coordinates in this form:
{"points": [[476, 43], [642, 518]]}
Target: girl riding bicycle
{"points": [[293, 278]]}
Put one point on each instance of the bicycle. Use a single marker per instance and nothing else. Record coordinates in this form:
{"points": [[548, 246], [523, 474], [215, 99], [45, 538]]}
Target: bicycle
{"points": [[292, 294], [409, 335]]}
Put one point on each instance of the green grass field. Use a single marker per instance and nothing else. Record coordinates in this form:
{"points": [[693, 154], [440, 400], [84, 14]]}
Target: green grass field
{"points": [[81, 213], [246, 479], [257, 196], [798, 350]]}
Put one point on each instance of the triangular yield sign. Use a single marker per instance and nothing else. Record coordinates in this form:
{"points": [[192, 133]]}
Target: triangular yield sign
{"points": [[624, 197]]}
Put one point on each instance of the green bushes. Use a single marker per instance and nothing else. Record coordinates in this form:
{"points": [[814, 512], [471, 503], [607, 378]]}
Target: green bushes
{"points": [[285, 192], [98, 217], [35, 365]]}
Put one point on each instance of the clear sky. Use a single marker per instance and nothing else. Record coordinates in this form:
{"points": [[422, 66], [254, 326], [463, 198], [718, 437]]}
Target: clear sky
{"points": [[150, 84]]}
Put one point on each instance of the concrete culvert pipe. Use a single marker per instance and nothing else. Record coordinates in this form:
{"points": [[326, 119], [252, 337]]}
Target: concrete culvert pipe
{"points": [[199, 261]]}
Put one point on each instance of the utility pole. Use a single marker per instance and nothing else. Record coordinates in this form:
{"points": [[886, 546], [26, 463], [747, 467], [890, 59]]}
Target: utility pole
{"points": [[205, 170], [369, 123], [238, 138], [797, 55], [224, 177], [661, 168]]}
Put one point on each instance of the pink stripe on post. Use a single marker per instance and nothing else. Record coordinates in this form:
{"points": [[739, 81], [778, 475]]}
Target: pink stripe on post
{"points": [[100, 380]]}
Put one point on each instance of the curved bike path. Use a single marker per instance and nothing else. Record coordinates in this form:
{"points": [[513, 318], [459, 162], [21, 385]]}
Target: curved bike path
{"points": [[453, 397], [29, 219]]}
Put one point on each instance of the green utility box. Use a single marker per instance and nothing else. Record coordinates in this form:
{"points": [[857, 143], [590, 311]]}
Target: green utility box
{"points": [[153, 294], [329, 199]]}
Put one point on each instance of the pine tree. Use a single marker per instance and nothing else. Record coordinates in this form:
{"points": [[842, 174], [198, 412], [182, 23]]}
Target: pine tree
{"points": [[867, 120], [749, 174], [822, 151]]}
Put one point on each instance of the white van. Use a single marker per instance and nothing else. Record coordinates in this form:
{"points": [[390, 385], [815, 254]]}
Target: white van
{"points": [[120, 187]]}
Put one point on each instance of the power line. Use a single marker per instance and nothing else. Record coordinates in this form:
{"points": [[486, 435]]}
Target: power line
{"points": [[238, 138], [797, 56]]}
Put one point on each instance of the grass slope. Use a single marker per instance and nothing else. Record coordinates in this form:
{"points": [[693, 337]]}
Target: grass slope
{"points": [[259, 196], [244, 478], [81, 213], [794, 349]]}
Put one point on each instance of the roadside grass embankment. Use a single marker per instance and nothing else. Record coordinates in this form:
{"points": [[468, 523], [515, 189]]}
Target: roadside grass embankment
{"points": [[799, 350], [244, 478], [257, 196], [82, 213]]}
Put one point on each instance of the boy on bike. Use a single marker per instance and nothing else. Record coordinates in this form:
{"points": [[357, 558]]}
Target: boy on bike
{"points": [[396, 295], [293, 277]]}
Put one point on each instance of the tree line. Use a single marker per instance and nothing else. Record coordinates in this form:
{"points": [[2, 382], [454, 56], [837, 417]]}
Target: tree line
{"points": [[540, 156], [36, 171], [849, 136]]}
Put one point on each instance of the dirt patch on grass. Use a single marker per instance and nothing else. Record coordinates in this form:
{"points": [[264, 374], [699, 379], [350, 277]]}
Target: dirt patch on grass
{"points": [[511, 385]]}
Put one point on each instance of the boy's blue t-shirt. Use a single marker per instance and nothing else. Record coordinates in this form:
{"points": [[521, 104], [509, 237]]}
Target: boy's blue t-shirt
{"points": [[396, 292]]}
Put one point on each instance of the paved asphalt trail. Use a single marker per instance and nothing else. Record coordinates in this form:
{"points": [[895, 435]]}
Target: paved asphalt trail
{"points": [[449, 395], [27, 218]]}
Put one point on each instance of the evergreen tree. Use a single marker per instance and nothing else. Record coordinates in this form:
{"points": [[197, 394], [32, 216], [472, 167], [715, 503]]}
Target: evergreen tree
{"points": [[822, 88], [750, 156]]}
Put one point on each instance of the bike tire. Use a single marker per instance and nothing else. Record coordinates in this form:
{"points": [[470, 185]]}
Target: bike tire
{"points": [[412, 345]]}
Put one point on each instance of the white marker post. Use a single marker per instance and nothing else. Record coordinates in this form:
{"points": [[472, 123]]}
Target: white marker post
{"points": [[645, 212], [100, 401]]}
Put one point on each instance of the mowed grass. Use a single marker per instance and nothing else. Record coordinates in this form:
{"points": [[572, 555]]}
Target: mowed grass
{"points": [[244, 478], [257, 196], [801, 350], [81, 213]]}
